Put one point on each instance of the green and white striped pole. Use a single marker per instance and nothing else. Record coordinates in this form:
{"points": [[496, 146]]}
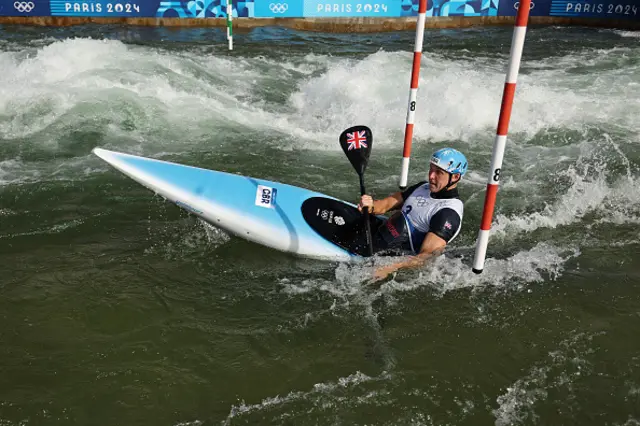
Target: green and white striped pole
{"points": [[229, 25]]}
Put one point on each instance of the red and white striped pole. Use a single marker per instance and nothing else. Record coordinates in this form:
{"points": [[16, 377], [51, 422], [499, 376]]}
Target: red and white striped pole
{"points": [[411, 108], [517, 43]]}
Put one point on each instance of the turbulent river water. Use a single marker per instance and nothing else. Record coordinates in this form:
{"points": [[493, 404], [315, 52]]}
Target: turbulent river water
{"points": [[118, 308]]}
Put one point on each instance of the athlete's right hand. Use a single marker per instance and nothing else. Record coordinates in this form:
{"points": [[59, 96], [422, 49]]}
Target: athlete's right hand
{"points": [[366, 200]]}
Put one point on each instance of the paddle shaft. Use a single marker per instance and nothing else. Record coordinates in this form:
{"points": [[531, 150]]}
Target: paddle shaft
{"points": [[367, 223]]}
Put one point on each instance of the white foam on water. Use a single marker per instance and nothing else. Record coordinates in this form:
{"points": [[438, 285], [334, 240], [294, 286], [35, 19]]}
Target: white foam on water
{"points": [[543, 262], [12, 172], [592, 190], [16, 171], [215, 236], [23, 422], [457, 99], [352, 285], [560, 370], [353, 289], [322, 396], [53, 229], [516, 404], [33, 98], [630, 34], [628, 242], [88, 71], [595, 87], [150, 98]]}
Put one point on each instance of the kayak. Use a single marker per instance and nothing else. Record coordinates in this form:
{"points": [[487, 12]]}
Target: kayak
{"points": [[276, 215]]}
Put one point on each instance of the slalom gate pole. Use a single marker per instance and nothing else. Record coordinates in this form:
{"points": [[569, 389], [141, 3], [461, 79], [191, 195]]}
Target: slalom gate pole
{"points": [[411, 108], [517, 43], [229, 24]]}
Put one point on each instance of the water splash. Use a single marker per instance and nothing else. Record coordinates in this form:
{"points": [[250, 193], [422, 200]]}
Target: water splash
{"points": [[322, 397], [563, 368]]}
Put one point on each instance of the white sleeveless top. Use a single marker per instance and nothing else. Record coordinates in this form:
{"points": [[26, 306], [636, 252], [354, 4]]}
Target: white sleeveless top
{"points": [[418, 210]]}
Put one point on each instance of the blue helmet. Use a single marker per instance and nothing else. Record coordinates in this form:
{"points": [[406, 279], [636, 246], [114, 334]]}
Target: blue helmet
{"points": [[450, 160]]}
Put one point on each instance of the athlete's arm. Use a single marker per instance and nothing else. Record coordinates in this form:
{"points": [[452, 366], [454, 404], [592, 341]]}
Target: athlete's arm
{"points": [[391, 202], [444, 226], [432, 246]]}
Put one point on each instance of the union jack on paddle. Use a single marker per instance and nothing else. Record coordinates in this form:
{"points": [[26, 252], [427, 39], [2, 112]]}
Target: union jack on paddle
{"points": [[356, 140]]}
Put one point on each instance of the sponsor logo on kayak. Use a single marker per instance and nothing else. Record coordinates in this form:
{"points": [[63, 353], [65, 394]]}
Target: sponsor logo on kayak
{"points": [[328, 215], [266, 197]]}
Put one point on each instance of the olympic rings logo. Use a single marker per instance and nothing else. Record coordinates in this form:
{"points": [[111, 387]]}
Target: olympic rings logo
{"points": [[278, 7], [516, 5], [24, 6]]}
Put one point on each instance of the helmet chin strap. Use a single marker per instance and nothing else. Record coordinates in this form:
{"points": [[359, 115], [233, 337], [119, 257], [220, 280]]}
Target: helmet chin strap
{"points": [[449, 184]]}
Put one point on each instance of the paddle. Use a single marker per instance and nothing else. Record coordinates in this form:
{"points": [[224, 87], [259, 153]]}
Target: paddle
{"points": [[356, 143]]}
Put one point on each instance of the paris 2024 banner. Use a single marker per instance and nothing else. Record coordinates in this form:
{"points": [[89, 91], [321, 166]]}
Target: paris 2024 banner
{"points": [[612, 9]]}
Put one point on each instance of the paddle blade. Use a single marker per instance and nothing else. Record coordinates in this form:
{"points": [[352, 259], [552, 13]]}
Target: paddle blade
{"points": [[356, 143]]}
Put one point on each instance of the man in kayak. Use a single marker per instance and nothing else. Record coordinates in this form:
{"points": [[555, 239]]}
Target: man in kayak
{"points": [[429, 213]]}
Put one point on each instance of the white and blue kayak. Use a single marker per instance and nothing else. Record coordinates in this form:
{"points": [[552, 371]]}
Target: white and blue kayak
{"points": [[276, 215]]}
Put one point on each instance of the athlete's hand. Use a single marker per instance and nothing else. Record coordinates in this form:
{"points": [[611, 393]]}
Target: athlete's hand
{"points": [[382, 273], [366, 201]]}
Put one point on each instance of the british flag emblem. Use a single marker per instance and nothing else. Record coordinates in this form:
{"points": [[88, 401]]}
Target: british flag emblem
{"points": [[356, 140]]}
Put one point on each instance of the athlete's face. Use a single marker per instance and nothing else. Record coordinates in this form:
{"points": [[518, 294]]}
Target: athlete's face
{"points": [[439, 178]]}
